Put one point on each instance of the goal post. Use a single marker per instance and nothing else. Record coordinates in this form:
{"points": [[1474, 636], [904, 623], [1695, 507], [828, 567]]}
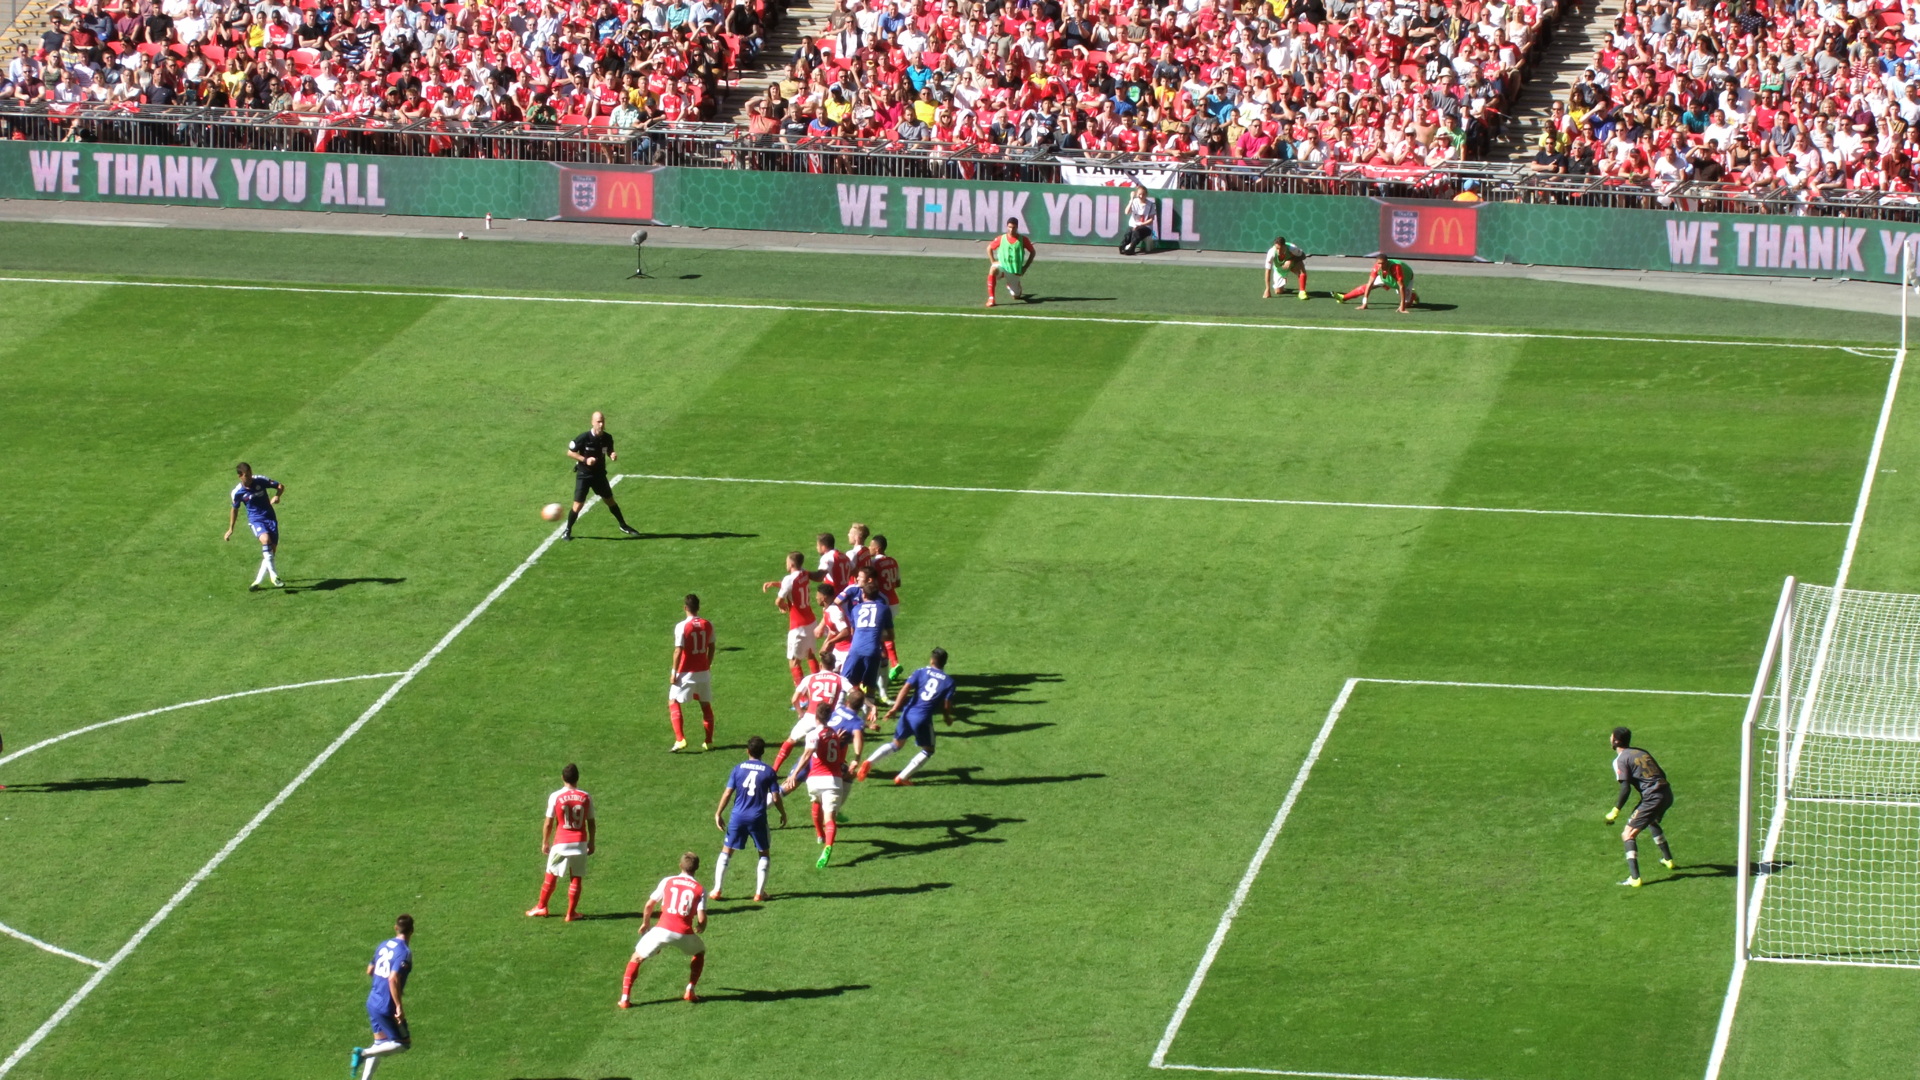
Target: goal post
{"points": [[1830, 783]]}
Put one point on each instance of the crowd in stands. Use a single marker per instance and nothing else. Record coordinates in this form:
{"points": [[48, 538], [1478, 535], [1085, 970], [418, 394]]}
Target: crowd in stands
{"points": [[1386, 83], [536, 61], [1780, 100]]}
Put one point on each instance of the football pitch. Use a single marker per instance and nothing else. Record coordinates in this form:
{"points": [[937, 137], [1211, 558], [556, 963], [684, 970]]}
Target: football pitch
{"points": [[1287, 649]]}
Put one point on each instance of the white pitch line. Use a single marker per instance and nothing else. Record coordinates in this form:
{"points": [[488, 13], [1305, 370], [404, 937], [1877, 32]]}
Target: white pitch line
{"points": [[1228, 499], [1159, 1059], [49, 947], [1296, 1072], [1520, 335], [1829, 963], [1538, 686], [1730, 1004], [286, 793], [1241, 891], [43, 743]]}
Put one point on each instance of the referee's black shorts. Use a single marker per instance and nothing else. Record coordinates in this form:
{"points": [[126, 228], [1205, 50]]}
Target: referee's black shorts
{"points": [[597, 483]]}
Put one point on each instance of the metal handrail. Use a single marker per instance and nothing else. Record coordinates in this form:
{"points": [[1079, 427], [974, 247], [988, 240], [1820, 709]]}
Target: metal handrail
{"points": [[725, 146]]}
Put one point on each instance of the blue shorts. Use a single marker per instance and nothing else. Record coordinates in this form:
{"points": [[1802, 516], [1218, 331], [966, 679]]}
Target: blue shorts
{"points": [[921, 730], [863, 671], [270, 527], [740, 829], [388, 1029]]}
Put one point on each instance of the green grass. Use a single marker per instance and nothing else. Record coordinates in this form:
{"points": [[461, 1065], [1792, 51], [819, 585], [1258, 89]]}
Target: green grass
{"points": [[1139, 679]]}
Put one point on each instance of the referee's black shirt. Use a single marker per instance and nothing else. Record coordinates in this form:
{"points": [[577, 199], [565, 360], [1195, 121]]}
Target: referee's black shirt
{"points": [[597, 447]]}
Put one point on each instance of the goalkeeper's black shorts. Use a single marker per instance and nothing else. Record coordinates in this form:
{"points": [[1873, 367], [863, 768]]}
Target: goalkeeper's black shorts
{"points": [[1650, 811]]}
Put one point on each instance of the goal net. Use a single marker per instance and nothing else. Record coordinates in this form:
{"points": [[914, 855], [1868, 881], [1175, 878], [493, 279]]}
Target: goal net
{"points": [[1834, 783]]}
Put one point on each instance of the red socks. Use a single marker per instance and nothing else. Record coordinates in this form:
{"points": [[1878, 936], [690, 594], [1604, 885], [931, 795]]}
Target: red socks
{"points": [[546, 890], [812, 664], [706, 720], [695, 967], [893, 658], [818, 834], [831, 829], [993, 282], [626, 983], [1356, 294], [679, 725], [781, 757], [573, 897], [1303, 281], [794, 667]]}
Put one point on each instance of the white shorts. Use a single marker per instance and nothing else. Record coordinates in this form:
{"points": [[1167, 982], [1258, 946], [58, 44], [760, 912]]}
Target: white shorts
{"points": [[567, 864], [800, 643], [660, 937], [801, 728], [828, 791], [840, 658], [692, 686]]}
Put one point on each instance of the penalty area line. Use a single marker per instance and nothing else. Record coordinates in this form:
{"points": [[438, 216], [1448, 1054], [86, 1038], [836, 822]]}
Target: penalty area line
{"points": [[1231, 499], [1245, 887], [1111, 320], [48, 946], [206, 871]]}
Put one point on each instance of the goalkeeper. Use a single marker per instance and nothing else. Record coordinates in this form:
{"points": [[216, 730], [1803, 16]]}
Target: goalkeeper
{"points": [[1635, 768], [1008, 256]]}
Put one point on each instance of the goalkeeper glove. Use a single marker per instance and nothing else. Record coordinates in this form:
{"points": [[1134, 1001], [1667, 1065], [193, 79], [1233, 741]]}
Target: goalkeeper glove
{"points": [[1611, 814]]}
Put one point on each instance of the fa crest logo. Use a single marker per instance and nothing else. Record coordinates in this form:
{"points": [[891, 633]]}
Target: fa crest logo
{"points": [[586, 192], [1406, 227]]}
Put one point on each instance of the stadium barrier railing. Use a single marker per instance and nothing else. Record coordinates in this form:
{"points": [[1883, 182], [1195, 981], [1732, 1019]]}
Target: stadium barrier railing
{"points": [[725, 146]]}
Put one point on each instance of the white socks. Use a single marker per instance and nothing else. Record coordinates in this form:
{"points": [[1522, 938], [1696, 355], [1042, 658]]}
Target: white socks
{"points": [[914, 764], [720, 870], [266, 566], [372, 1055], [760, 877], [881, 751]]}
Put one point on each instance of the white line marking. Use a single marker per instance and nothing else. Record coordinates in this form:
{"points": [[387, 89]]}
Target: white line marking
{"points": [[1294, 1072], [1830, 963], [43, 743], [1107, 319], [1536, 686], [1730, 1004], [1159, 1059], [286, 793], [1228, 499], [1240, 892], [54, 949]]}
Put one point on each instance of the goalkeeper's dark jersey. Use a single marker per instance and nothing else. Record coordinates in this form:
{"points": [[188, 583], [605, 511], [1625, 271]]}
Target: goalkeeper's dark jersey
{"points": [[1637, 767]]}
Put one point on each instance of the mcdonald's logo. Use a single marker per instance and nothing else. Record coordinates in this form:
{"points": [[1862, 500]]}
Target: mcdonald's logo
{"points": [[1433, 230], [614, 194]]}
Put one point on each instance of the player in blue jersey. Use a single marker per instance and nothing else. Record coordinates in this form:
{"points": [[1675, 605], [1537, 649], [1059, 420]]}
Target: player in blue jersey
{"points": [[253, 493], [926, 690], [752, 787], [868, 632], [392, 963]]}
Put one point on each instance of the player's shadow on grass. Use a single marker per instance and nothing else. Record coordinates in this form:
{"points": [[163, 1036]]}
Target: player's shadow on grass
{"points": [[960, 832], [863, 894], [1697, 870], [993, 690], [678, 536], [300, 585], [730, 993], [1071, 299], [90, 783], [965, 774]]}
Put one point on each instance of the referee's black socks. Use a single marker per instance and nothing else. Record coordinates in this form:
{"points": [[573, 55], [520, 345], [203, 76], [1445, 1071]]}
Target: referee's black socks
{"points": [[571, 516]]}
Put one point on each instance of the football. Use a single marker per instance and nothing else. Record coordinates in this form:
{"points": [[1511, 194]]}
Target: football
{"points": [[552, 511]]}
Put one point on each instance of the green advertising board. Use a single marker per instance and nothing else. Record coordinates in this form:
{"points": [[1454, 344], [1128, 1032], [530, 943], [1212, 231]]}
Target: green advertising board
{"points": [[1550, 235], [342, 183]]}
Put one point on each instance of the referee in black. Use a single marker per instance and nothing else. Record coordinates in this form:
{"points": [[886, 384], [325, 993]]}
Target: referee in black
{"points": [[590, 451]]}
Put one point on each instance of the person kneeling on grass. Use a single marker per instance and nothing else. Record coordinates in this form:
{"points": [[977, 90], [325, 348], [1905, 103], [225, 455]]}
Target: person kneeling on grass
{"points": [[1386, 274], [1008, 256], [1284, 258]]}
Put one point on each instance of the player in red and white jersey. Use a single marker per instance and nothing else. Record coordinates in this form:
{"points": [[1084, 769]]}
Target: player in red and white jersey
{"points": [[793, 599], [835, 743], [682, 904], [857, 554], [835, 568], [886, 574], [821, 687], [566, 839], [692, 677], [834, 634]]}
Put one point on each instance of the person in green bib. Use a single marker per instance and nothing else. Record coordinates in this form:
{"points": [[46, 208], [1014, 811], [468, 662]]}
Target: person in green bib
{"points": [[1387, 274], [1008, 256]]}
